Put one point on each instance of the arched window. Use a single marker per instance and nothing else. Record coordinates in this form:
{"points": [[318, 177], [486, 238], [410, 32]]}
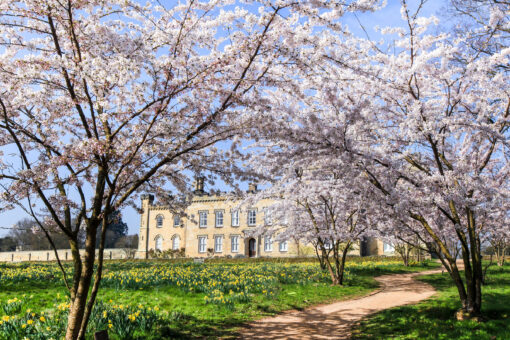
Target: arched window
{"points": [[159, 243], [159, 221], [176, 241]]}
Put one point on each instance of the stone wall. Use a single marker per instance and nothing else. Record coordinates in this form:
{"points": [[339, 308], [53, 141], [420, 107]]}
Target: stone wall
{"points": [[49, 255]]}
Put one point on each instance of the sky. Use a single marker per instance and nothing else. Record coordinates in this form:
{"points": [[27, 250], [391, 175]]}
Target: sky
{"points": [[388, 16]]}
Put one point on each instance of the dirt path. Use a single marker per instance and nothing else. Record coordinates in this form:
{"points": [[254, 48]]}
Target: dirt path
{"points": [[333, 321]]}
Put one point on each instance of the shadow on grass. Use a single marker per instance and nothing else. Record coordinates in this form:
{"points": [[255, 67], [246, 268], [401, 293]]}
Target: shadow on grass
{"points": [[194, 328], [434, 318]]}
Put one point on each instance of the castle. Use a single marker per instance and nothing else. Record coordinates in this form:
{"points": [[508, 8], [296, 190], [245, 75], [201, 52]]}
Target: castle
{"points": [[213, 225]]}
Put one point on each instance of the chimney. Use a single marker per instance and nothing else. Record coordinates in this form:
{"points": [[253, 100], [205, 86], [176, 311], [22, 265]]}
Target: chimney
{"points": [[252, 188], [199, 185], [148, 197]]}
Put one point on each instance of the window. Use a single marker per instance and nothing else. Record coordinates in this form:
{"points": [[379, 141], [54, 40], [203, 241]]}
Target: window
{"points": [[252, 217], [327, 244], [159, 221], [175, 242], [268, 243], [218, 244], [203, 219], [159, 243], [177, 220], [284, 246], [234, 244], [202, 244], [219, 218], [268, 220], [235, 218], [388, 248]]}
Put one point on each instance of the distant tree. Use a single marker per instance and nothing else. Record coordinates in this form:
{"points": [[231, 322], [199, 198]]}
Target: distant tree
{"points": [[7, 244], [500, 246], [27, 235], [115, 230], [127, 242]]}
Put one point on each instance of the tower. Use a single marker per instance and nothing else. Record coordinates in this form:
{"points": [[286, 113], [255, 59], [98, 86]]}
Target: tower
{"points": [[143, 240]]}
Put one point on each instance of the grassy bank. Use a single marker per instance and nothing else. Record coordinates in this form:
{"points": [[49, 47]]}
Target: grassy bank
{"points": [[434, 318], [206, 300]]}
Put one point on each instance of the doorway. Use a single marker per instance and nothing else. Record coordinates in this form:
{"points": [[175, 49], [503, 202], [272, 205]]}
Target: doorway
{"points": [[252, 247]]}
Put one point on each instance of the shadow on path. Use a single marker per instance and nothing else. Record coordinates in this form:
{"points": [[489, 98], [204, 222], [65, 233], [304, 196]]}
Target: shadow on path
{"points": [[334, 321]]}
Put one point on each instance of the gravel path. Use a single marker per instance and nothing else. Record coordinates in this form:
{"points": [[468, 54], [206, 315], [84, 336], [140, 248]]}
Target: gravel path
{"points": [[334, 321]]}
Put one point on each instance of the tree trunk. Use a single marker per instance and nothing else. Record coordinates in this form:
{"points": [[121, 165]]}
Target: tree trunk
{"points": [[327, 261], [79, 303], [341, 269], [320, 255], [97, 278], [337, 272], [476, 275], [500, 255], [334, 278], [470, 294], [404, 252]]}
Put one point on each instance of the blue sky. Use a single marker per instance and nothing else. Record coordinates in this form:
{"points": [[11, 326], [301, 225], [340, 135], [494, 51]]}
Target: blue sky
{"points": [[389, 16]]}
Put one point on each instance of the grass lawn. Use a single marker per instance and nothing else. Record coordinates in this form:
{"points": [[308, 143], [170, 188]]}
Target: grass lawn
{"points": [[187, 314], [434, 318]]}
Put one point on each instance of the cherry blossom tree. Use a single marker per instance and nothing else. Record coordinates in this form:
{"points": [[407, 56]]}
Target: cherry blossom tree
{"points": [[318, 207], [423, 118], [484, 24], [442, 145], [103, 99], [498, 238]]}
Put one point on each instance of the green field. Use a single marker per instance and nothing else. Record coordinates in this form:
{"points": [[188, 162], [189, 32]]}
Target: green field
{"points": [[434, 318], [163, 299]]}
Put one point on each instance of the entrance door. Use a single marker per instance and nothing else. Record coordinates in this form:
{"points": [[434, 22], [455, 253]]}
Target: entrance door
{"points": [[252, 250]]}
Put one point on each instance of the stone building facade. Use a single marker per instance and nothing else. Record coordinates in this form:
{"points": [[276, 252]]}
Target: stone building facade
{"points": [[214, 225]]}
